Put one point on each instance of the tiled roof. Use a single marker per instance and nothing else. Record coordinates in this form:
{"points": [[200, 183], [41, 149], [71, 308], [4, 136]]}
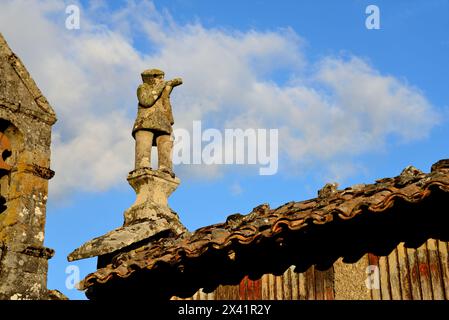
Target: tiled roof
{"points": [[411, 186]]}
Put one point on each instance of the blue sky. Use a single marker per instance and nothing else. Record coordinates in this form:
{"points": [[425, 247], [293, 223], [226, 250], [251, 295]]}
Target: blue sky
{"points": [[352, 104]]}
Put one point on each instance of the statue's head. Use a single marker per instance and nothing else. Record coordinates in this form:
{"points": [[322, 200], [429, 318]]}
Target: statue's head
{"points": [[152, 76]]}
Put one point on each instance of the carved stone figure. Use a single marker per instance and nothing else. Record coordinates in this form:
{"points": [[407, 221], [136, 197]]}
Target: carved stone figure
{"points": [[149, 217], [153, 126]]}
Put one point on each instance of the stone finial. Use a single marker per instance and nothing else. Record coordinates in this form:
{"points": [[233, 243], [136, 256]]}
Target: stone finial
{"points": [[153, 125], [328, 190], [408, 175], [150, 216]]}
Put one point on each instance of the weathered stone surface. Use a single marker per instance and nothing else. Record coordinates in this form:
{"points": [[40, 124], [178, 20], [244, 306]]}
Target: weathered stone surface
{"points": [[350, 280], [56, 295], [147, 217], [153, 125], [152, 191], [119, 238], [150, 214], [154, 109], [25, 122]]}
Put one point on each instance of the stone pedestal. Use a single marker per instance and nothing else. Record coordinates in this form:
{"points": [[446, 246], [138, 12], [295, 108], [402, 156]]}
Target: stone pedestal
{"points": [[149, 216], [152, 191]]}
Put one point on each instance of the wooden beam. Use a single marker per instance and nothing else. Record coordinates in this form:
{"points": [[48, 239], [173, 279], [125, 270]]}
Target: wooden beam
{"points": [[424, 272], [444, 258], [415, 281], [329, 284], [319, 285], [310, 283], [435, 270], [384, 278], [295, 283], [404, 272], [302, 279], [394, 277], [287, 285]]}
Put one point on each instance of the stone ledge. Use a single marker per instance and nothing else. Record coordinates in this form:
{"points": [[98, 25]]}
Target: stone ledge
{"points": [[154, 173], [119, 239], [36, 170], [34, 251]]}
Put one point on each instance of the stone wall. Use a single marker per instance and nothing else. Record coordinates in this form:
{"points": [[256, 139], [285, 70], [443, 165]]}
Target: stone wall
{"points": [[25, 122]]}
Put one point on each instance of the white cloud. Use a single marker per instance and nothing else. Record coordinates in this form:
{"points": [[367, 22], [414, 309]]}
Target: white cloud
{"points": [[355, 110], [91, 160], [342, 107]]}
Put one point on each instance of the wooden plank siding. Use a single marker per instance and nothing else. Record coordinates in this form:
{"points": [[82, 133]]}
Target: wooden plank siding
{"points": [[310, 285], [414, 273], [405, 274], [435, 270], [415, 282], [384, 275], [444, 259], [302, 288]]}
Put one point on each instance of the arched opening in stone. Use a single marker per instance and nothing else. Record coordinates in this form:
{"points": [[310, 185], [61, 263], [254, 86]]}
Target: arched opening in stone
{"points": [[11, 143]]}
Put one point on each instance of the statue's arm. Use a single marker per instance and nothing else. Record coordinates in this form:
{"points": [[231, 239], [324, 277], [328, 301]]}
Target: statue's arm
{"points": [[147, 96], [173, 83]]}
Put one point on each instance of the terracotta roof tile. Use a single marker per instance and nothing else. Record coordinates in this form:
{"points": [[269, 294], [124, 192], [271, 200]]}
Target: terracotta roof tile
{"points": [[411, 186]]}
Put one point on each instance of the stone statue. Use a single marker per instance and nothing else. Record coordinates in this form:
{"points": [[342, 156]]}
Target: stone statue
{"points": [[153, 126], [149, 217]]}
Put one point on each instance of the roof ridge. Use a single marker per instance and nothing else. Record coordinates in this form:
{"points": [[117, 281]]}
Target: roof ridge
{"points": [[411, 186]]}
